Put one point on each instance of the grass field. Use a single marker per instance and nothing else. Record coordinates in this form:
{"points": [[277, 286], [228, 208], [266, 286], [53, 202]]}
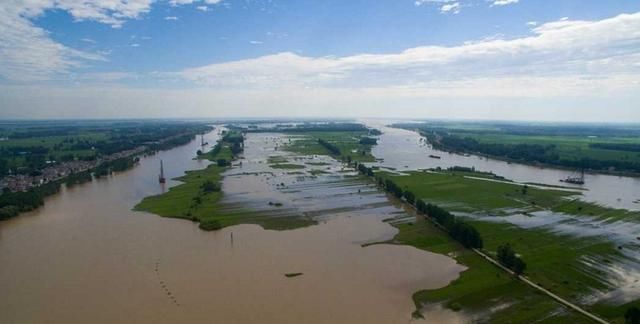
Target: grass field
{"points": [[347, 141], [553, 260], [458, 191]]}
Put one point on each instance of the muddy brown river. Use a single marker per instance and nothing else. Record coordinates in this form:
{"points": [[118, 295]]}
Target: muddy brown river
{"points": [[86, 257]]}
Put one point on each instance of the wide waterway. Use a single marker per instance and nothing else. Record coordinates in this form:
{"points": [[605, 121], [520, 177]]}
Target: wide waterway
{"points": [[407, 150], [86, 257]]}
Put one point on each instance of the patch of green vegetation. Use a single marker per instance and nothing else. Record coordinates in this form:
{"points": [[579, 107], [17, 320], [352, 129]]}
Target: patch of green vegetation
{"points": [[277, 159], [287, 166], [463, 192], [318, 163], [198, 199], [554, 261], [347, 142], [482, 286], [458, 192], [317, 172], [293, 274]]}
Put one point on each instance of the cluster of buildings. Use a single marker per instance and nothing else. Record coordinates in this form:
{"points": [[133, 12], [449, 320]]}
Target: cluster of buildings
{"points": [[57, 171]]}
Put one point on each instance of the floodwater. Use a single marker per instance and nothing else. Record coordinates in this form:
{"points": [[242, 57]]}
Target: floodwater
{"points": [[85, 257], [407, 150], [401, 150], [621, 274]]}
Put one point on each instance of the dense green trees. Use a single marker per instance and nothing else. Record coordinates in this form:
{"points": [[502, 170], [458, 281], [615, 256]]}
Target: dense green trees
{"points": [[13, 203], [459, 230], [209, 186], [632, 315], [507, 257], [116, 165], [393, 188], [409, 197], [78, 178], [4, 167], [368, 141], [222, 162], [363, 169], [627, 147], [330, 147]]}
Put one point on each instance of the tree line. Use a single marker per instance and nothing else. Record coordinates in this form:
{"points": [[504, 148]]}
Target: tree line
{"points": [[330, 147], [14, 203], [528, 153], [508, 258], [627, 147], [459, 230]]}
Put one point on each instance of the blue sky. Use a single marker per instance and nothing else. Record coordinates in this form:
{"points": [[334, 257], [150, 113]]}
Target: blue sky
{"points": [[488, 59]]}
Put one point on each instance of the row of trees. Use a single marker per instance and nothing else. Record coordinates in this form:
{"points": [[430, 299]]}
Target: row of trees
{"points": [[508, 258], [13, 203], [368, 141], [363, 169], [330, 147], [528, 153], [627, 147], [459, 230], [116, 165]]}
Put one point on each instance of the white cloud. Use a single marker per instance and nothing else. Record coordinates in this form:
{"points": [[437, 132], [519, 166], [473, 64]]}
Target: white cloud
{"points": [[255, 42], [559, 58], [418, 3], [28, 53], [187, 2], [135, 45], [504, 2], [203, 8], [450, 7], [446, 6], [171, 18], [532, 23]]}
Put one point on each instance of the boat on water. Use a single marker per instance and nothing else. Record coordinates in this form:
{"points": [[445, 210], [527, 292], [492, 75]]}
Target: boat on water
{"points": [[161, 177], [579, 179], [434, 156]]}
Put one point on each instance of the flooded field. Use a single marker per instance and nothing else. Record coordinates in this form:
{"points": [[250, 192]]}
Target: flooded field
{"points": [[407, 150], [620, 274], [86, 257], [400, 150]]}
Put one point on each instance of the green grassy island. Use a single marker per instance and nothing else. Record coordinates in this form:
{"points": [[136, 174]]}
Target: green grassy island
{"points": [[198, 197]]}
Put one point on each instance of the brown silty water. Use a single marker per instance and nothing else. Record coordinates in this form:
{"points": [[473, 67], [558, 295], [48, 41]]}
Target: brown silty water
{"points": [[86, 257]]}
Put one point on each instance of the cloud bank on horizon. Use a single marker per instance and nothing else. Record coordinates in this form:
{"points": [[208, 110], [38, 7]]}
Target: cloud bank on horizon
{"points": [[491, 59]]}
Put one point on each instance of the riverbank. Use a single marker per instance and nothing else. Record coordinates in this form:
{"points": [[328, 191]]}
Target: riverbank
{"points": [[437, 143], [26, 193]]}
